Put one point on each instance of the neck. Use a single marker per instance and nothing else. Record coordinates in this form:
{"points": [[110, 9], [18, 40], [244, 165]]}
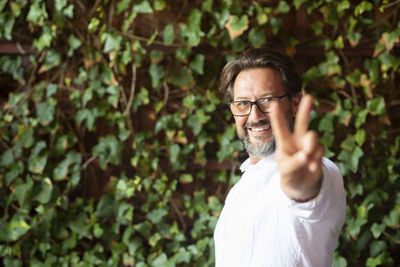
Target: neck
{"points": [[254, 160]]}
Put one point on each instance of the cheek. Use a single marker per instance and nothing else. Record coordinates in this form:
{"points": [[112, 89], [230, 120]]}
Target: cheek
{"points": [[239, 121]]}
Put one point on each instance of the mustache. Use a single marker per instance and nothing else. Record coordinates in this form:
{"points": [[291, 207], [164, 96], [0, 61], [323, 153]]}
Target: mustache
{"points": [[256, 124]]}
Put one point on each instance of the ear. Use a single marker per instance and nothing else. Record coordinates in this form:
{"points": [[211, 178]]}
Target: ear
{"points": [[296, 102]]}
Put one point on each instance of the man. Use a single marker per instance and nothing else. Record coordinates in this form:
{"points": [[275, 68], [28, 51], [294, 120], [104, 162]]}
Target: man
{"points": [[289, 206]]}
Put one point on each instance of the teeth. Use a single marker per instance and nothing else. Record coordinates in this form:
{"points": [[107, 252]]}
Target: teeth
{"points": [[260, 129]]}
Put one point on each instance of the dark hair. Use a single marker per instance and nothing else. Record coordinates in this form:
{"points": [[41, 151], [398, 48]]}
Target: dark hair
{"points": [[261, 58]]}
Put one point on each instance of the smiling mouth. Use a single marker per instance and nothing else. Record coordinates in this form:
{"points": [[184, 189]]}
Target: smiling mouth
{"points": [[259, 129]]}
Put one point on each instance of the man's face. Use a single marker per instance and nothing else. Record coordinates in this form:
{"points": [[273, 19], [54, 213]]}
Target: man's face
{"points": [[254, 130]]}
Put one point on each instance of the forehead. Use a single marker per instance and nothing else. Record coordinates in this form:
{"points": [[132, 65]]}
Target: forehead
{"points": [[256, 83]]}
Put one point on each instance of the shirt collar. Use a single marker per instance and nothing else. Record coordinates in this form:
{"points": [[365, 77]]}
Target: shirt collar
{"points": [[246, 165]]}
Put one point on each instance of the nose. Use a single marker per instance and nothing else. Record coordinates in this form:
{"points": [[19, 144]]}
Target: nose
{"points": [[256, 114]]}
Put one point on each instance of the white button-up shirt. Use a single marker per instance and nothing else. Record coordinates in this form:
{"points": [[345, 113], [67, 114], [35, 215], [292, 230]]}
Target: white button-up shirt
{"points": [[261, 226]]}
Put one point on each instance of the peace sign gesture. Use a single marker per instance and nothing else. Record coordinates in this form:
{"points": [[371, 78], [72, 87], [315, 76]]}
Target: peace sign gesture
{"points": [[298, 154]]}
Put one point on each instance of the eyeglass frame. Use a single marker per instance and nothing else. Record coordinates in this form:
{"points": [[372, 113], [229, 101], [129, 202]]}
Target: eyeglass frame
{"points": [[269, 98]]}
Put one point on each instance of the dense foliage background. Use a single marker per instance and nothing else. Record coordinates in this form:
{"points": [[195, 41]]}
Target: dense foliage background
{"points": [[117, 149]]}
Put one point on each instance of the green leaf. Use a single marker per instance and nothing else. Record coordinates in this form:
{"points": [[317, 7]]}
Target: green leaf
{"points": [[25, 135], [156, 215], [393, 218], [350, 159], [93, 24], [196, 121], [190, 101], [376, 247], [354, 77], [87, 115], [174, 151], [36, 164], [282, 8], [51, 60], [22, 189], [360, 136], [186, 178], [37, 13], [108, 150], [236, 26], [45, 113], [60, 4], [159, 5], [338, 261], [361, 117], [353, 37], [45, 189], [317, 27], [276, 24], [13, 230], [182, 256], [169, 34], [112, 43], [16, 168], [222, 17], [122, 5], [326, 123], [257, 37], [69, 11], [191, 32], [156, 73], [363, 7], [377, 230], [161, 260], [348, 143], [144, 228], [143, 7], [207, 5], [342, 7], [156, 56], [197, 64], [377, 106], [182, 53], [74, 43], [182, 78], [51, 89], [142, 98], [60, 172]]}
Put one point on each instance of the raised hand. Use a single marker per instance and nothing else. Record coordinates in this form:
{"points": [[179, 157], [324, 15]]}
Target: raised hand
{"points": [[298, 154]]}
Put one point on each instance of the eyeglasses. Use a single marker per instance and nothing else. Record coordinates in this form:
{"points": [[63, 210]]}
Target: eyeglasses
{"points": [[243, 107]]}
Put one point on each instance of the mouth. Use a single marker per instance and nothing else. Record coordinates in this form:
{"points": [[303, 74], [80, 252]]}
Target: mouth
{"points": [[259, 130]]}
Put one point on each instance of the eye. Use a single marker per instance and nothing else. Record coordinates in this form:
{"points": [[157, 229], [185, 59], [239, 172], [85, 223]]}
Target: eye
{"points": [[263, 100], [241, 104]]}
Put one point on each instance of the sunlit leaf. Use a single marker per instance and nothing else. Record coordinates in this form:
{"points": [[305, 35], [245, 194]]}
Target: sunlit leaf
{"points": [[237, 25]]}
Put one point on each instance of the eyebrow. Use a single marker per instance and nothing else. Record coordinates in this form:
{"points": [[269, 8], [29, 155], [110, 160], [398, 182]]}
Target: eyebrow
{"points": [[261, 96]]}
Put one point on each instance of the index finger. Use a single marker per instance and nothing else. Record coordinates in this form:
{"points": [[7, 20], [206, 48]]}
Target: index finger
{"points": [[303, 115], [280, 127]]}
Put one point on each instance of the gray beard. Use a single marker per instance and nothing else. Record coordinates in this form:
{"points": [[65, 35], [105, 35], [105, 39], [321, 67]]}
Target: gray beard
{"points": [[259, 149]]}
